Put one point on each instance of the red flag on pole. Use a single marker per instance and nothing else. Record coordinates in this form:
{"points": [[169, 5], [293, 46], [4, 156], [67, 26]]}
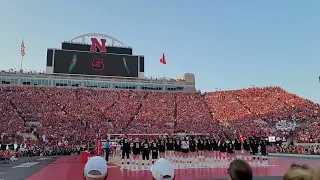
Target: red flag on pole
{"points": [[163, 59], [22, 49]]}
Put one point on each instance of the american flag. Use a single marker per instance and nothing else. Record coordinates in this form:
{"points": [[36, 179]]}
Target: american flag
{"points": [[22, 49]]}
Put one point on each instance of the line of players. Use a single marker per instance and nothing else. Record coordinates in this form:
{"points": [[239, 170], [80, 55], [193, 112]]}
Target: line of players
{"points": [[198, 148]]}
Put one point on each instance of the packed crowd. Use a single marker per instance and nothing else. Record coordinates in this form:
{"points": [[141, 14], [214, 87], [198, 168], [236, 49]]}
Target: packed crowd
{"points": [[313, 149], [75, 116], [261, 108]]}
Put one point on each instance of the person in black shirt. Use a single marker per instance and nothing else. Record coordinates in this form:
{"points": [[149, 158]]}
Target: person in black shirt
{"points": [[215, 147], [237, 147], [177, 147], [192, 146], [145, 152], [125, 145], [230, 149], [263, 150], [136, 149], [154, 151], [254, 147], [208, 147], [223, 149], [200, 145], [162, 147], [169, 144], [246, 146]]}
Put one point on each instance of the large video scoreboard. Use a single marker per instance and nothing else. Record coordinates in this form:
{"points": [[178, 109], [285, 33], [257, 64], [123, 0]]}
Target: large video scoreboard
{"points": [[94, 60], [89, 63]]}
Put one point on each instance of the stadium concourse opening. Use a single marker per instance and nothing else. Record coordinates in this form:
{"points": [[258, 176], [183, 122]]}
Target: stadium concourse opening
{"points": [[50, 121]]}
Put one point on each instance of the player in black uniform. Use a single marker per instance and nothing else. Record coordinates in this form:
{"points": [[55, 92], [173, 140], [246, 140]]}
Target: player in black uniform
{"points": [[154, 151], [223, 149], [200, 145], [125, 146], [246, 146], [246, 149], [177, 147], [230, 150], [263, 150], [192, 147], [136, 150], [208, 147], [237, 147], [162, 147], [169, 144], [145, 152], [204, 146], [215, 147], [254, 147]]}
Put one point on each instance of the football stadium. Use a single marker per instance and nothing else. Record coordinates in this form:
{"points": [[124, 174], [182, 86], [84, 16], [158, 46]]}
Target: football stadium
{"points": [[94, 100]]}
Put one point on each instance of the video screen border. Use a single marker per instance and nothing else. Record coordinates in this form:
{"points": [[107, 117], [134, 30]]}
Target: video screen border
{"points": [[93, 75]]}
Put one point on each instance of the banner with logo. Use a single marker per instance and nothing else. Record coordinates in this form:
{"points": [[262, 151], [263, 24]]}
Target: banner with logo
{"points": [[99, 146]]}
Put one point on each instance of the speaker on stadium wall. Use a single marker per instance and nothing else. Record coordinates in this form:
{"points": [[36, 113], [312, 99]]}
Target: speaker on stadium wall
{"points": [[141, 64], [49, 57]]}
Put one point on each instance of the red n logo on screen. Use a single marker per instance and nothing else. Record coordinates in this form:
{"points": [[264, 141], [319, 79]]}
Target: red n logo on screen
{"points": [[96, 44], [97, 64]]}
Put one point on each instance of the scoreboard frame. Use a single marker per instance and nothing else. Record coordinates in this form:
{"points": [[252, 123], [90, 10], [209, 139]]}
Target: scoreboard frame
{"points": [[52, 70]]}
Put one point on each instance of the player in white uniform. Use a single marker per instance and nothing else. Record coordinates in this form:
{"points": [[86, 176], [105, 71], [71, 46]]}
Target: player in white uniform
{"points": [[185, 150]]}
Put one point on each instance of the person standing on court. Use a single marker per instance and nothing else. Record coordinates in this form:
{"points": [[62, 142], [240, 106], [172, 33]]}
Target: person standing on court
{"points": [[125, 143], [107, 148]]}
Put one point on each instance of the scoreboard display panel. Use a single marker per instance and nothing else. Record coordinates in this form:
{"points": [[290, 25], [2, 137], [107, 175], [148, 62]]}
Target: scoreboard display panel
{"points": [[92, 63]]}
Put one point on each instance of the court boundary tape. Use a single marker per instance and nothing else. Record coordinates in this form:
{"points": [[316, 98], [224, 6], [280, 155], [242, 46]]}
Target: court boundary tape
{"points": [[200, 167]]}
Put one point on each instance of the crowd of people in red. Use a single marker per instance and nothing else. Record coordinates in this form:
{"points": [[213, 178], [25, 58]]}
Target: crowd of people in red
{"points": [[76, 115], [255, 111]]}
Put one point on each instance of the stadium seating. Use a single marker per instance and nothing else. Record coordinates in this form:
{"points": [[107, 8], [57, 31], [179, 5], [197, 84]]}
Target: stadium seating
{"points": [[156, 115], [76, 115]]}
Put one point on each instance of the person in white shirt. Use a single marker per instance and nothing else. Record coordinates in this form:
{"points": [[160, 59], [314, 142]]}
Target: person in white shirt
{"points": [[185, 150], [184, 145]]}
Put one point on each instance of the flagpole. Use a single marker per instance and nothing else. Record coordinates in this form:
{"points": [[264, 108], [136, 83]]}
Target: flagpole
{"points": [[163, 62], [21, 63], [22, 54], [162, 71]]}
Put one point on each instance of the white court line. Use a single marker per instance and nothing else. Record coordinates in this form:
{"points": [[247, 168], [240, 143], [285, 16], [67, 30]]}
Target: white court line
{"points": [[113, 166], [24, 165], [203, 167]]}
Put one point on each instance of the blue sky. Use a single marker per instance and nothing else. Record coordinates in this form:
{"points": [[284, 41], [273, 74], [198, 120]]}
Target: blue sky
{"points": [[226, 44]]}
